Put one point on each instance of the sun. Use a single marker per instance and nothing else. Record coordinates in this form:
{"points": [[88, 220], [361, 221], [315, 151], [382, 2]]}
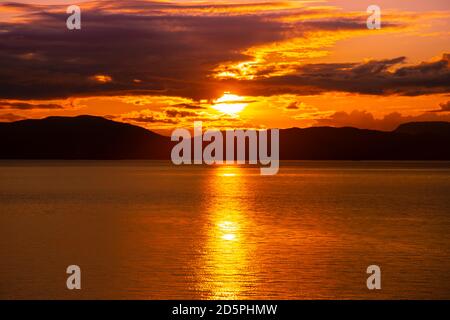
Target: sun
{"points": [[230, 103]]}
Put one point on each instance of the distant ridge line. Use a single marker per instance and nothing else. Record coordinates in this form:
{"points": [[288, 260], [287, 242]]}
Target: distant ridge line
{"points": [[98, 138]]}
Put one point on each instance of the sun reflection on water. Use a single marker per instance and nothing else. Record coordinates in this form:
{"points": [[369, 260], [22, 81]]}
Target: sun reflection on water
{"points": [[227, 260], [228, 230], [228, 174]]}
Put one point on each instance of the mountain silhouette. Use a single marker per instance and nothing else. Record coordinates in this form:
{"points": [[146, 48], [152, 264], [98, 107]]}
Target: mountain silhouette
{"points": [[411, 141], [82, 137], [90, 137]]}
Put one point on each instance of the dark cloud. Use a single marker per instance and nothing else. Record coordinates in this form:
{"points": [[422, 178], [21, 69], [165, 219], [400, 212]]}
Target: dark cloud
{"points": [[292, 106], [27, 106], [189, 106], [341, 24], [150, 119], [366, 120], [179, 113], [444, 107], [172, 50], [373, 77], [170, 53]]}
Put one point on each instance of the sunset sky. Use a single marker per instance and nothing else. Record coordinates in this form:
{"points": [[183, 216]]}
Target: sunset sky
{"points": [[252, 64]]}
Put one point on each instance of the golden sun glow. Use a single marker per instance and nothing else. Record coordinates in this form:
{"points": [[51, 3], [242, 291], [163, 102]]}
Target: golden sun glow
{"points": [[230, 103], [101, 78]]}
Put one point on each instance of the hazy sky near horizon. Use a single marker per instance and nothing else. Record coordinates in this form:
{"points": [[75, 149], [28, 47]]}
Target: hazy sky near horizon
{"points": [[165, 64]]}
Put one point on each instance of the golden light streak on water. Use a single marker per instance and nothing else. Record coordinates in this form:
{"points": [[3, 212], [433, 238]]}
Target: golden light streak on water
{"points": [[226, 256]]}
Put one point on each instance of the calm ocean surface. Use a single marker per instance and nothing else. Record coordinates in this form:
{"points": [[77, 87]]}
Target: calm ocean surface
{"points": [[151, 230]]}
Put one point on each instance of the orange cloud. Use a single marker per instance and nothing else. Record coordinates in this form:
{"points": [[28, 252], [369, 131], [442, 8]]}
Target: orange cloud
{"points": [[101, 78]]}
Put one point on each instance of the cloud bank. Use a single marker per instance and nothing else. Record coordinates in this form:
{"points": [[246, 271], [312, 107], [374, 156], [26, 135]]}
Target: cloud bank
{"points": [[195, 51]]}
